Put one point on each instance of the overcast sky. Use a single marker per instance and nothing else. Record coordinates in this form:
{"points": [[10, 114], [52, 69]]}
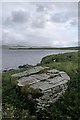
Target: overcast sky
{"points": [[40, 24]]}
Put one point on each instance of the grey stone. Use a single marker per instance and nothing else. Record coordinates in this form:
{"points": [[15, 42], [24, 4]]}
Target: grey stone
{"points": [[53, 75], [20, 84], [29, 72], [64, 75], [53, 71], [41, 77], [27, 80], [52, 83], [42, 85], [35, 70], [21, 74], [56, 80]]}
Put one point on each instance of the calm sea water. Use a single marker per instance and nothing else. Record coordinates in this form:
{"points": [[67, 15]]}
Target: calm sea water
{"points": [[14, 58]]}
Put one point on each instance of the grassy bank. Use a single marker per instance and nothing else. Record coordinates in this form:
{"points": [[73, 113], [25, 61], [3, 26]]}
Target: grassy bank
{"points": [[67, 62], [17, 105], [68, 106]]}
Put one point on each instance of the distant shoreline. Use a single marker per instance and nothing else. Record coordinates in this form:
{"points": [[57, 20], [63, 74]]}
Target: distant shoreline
{"points": [[38, 48]]}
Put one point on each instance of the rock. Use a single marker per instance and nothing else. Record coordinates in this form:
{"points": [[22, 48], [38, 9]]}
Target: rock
{"points": [[37, 100], [64, 75], [20, 84], [28, 72], [35, 70], [25, 66], [27, 80], [53, 71], [52, 83], [21, 74], [53, 75], [42, 85], [41, 77], [56, 80]]}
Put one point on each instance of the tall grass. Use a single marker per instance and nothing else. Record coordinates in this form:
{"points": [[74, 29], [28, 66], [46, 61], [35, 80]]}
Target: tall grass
{"points": [[68, 106]]}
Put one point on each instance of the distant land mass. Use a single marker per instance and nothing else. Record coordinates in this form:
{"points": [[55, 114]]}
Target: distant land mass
{"points": [[37, 47]]}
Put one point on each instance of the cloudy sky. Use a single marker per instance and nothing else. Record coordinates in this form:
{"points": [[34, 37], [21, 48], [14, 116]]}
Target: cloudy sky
{"points": [[40, 24]]}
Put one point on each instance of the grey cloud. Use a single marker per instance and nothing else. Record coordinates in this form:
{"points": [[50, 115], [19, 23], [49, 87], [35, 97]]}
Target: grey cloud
{"points": [[72, 14], [43, 6], [28, 25], [39, 21], [19, 16], [7, 21], [64, 12], [74, 22], [40, 8], [11, 37], [40, 18], [37, 40], [59, 17]]}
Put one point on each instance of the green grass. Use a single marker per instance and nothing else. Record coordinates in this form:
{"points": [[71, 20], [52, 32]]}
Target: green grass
{"points": [[15, 102], [68, 106], [67, 62]]}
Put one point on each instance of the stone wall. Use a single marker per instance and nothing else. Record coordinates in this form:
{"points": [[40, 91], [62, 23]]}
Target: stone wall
{"points": [[52, 83]]}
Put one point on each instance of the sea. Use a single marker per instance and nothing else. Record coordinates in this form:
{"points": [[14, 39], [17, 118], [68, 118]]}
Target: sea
{"points": [[10, 59]]}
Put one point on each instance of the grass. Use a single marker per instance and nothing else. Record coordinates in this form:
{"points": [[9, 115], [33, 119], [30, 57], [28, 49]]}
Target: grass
{"points": [[66, 108], [67, 62]]}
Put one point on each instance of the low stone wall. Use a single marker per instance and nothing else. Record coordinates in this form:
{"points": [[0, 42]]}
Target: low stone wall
{"points": [[51, 95], [52, 83]]}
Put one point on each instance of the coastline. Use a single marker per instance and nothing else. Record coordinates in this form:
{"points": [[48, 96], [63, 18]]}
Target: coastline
{"points": [[67, 62], [38, 48], [38, 61]]}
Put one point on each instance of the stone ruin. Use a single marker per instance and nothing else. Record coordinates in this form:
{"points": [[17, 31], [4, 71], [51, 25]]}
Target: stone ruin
{"points": [[52, 83]]}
